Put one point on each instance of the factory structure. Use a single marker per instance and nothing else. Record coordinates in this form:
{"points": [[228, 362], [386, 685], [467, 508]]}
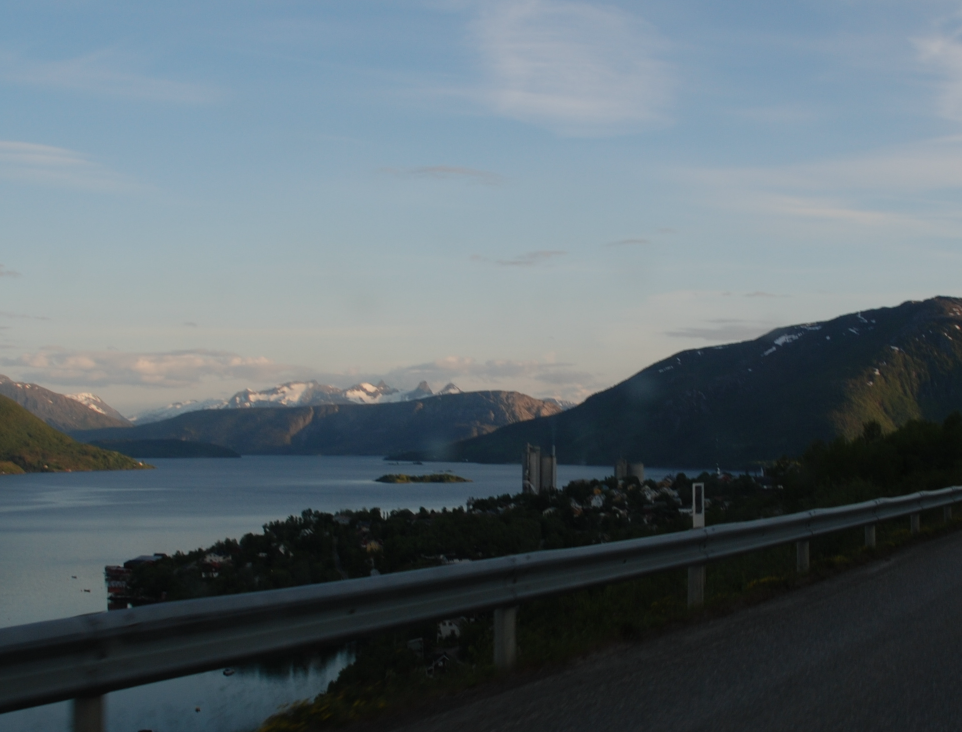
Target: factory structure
{"points": [[538, 472], [624, 469]]}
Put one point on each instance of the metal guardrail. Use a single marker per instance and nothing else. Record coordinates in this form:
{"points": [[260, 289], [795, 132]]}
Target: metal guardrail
{"points": [[87, 656]]}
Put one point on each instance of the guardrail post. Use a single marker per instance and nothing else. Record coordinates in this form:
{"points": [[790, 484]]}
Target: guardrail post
{"points": [[914, 523], [801, 557], [947, 514], [505, 637], [870, 536], [88, 714], [696, 585]]}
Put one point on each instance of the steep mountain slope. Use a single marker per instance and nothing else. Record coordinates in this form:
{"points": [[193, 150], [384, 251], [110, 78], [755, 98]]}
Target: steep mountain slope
{"points": [[62, 412], [343, 429], [760, 399], [29, 445], [97, 404]]}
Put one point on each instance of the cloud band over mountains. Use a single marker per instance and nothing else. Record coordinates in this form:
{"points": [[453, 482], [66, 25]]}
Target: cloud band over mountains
{"points": [[190, 368], [170, 369]]}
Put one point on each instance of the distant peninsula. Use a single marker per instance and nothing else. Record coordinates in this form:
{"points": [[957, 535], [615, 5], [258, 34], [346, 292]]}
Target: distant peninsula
{"points": [[431, 478], [28, 445], [166, 449]]}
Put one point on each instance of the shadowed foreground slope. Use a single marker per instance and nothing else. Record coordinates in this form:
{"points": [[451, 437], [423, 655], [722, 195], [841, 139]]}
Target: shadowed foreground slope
{"points": [[872, 649]]}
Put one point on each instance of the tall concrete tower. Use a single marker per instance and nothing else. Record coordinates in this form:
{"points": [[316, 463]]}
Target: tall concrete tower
{"points": [[549, 471], [531, 470]]}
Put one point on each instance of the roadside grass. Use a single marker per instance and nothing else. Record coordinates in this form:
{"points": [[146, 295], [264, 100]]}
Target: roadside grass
{"points": [[389, 679]]}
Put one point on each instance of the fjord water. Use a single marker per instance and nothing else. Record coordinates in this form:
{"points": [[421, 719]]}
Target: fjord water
{"points": [[59, 530]]}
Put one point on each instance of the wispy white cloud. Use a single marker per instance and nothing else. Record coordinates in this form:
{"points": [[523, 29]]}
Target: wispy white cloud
{"points": [[577, 68], [530, 259], [4, 272], [448, 172], [924, 166], [22, 316], [787, 114], [539, 378], [543, 378], [943, 52], [189, 369], [166, 369], [724, 330], [894, 187], [48, 165], [105, 73]]}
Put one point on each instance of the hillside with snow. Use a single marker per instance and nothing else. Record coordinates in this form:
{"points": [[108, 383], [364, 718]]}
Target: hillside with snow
{"points": [[298, 394], [758, 400], [62, 412], [94, 402]]}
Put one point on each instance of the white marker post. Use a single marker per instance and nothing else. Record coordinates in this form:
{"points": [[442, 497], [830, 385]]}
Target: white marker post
{"points": [[696, 572], [698, 505]]}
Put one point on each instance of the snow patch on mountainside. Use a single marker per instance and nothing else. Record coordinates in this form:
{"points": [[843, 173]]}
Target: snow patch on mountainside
{"points": [[365, 393], [88, 400], [787, 338], [94, 402], [172, 410]]}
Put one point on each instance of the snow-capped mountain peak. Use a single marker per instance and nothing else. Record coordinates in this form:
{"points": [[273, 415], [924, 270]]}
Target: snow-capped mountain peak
{"points": [[88, 400], [299, 394], [365, 393], [94, 402]]}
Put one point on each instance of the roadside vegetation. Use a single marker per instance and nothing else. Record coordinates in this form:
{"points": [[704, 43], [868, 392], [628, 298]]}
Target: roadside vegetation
{"points": [[412, 667]]}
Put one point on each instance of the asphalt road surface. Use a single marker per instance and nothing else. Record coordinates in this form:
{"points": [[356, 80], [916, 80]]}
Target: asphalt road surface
{"points": [[876, 648]]}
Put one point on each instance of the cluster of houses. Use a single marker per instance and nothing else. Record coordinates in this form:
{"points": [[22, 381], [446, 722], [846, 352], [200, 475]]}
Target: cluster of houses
{"points": [[445, 652]]}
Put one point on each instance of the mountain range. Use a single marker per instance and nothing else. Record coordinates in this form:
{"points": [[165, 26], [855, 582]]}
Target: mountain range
{"points": [[298, 394], [754, 401], [426, 424], [734, 405]]}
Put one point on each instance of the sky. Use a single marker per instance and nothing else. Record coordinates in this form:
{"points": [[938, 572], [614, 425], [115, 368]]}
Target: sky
{"points": [[541, 196]]}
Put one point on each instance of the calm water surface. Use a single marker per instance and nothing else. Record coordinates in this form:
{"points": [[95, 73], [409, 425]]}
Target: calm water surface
{"points": [[58, 531]]}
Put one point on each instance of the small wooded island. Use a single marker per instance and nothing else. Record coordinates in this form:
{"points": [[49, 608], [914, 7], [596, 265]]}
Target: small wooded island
{"points": [[431, 478]]}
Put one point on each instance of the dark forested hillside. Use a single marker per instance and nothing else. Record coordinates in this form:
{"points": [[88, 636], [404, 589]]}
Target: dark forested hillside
{"points": [[757, 400], [29, 445]]}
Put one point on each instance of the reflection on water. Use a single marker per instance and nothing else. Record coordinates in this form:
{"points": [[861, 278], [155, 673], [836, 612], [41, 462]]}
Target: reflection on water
{"points": [[208, 702], [58, 531], [303, 664]]}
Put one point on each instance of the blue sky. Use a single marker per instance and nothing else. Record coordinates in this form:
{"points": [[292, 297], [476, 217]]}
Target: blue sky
{"points": [[532, 195]]}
